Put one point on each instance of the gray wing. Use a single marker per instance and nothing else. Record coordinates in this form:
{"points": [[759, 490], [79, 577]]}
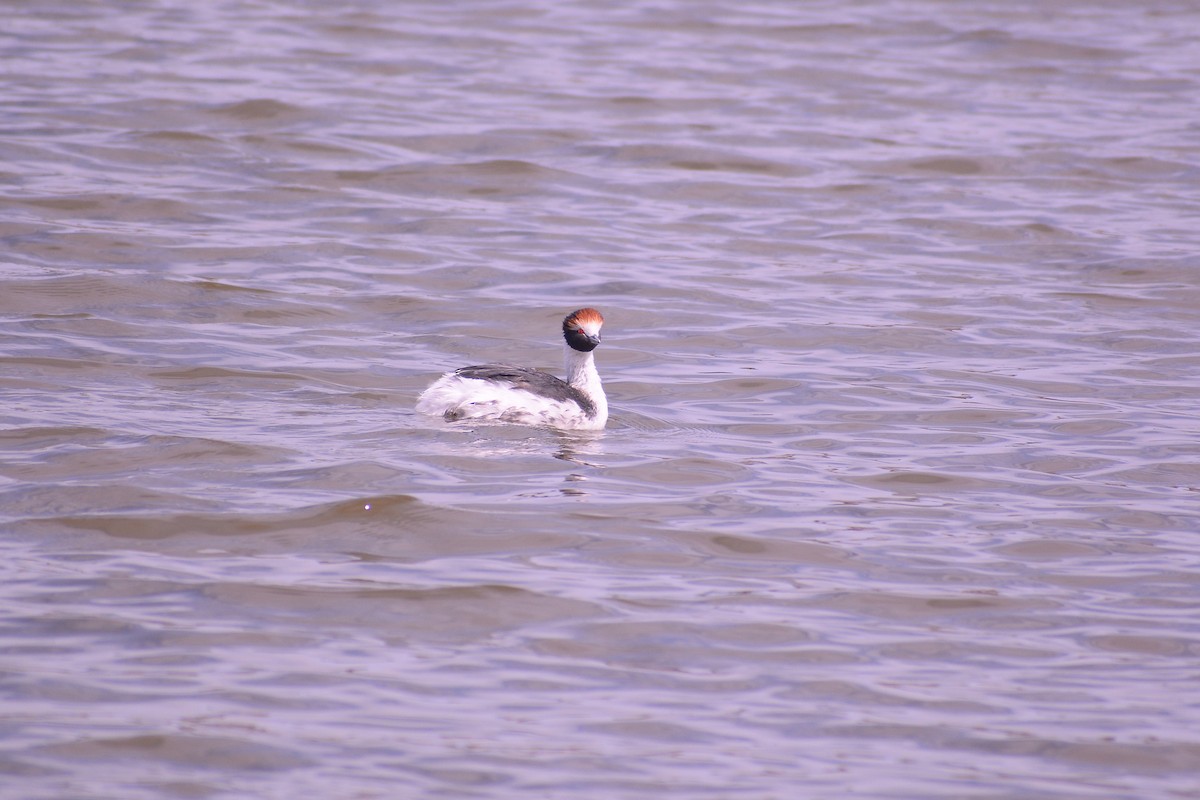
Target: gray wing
{"points": [[533, 381]]}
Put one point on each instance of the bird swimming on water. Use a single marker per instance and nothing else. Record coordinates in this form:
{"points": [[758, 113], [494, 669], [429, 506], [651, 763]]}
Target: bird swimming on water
{"points": [[524, 396]]}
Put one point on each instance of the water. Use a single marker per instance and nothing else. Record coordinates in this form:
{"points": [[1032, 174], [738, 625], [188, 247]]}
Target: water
{"points": [[899, 497]]}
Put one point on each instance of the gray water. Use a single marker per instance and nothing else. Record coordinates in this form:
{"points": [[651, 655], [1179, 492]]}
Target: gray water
{"points": [[899, 495]]}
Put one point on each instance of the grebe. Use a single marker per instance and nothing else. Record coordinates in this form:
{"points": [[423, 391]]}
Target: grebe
{"points": [[528, 396]]}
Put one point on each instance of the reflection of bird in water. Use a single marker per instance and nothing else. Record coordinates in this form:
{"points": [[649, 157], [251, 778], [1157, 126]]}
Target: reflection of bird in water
{"points": [[526, 396]]}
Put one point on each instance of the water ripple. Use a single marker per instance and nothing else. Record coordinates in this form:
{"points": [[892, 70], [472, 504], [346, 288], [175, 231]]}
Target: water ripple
{"points": [[897, 499]]}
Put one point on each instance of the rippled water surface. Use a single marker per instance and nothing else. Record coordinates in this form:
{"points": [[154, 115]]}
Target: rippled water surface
{"points": [[899, 498]]}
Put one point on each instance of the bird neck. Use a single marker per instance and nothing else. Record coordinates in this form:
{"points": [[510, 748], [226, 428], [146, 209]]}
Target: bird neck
{"points": [[582, 374], [581, 369]]}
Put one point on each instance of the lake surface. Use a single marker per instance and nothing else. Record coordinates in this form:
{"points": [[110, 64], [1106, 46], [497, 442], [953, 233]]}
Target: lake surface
{"points": [[900, 497]]}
